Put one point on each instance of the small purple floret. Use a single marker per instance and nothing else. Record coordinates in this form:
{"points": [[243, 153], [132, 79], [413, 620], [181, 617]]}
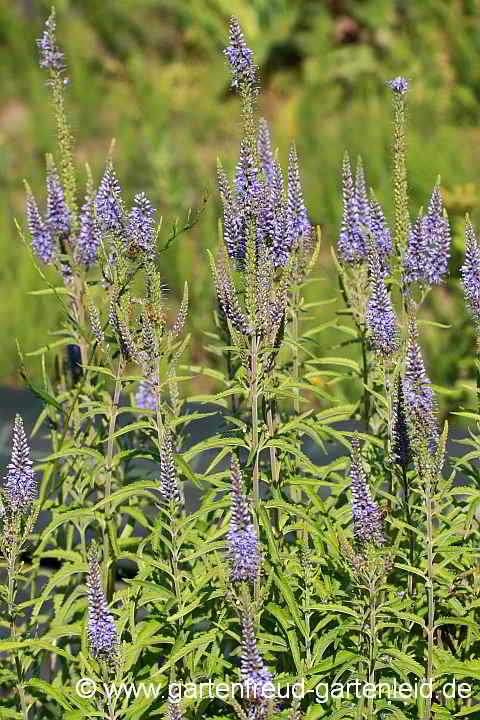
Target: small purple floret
{"points": [[145, 396], [399, 85]]}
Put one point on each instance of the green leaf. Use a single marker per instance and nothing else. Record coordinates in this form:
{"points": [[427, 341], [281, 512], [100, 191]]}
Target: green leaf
{"points": [[140, 425], [75, 452], [51, 691], [343, 362], [404, 662], [282, 583]]}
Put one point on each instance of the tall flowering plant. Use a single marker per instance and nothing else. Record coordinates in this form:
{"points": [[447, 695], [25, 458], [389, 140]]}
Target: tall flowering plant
{"points": [[142, 559]]}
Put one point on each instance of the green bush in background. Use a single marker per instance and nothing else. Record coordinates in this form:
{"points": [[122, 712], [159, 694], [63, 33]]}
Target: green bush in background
{"points": [[150, 74]]}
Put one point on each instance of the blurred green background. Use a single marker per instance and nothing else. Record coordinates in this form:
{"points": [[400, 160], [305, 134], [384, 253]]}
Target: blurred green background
{"points": [[151, 74]]}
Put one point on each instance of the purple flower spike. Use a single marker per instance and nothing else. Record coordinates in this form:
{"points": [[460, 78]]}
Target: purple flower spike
{"points": [[232, 223], [108, 202], [277, 218], [437, 231], [227, 297], [399, 85], [174, 712], [471, 273], [381, 318], [247, 184], [145, 396], [141, 223], [366, 514], [20, 485], [414, 260], [102, 634], [88, 240], [240, 59], [400, 439], [418, 391], [242, 545], [380, 232], [264, 151], [168, 486], [58, 217], [361, 197], [42, 241], [50, 55], [255, 674], [351, 243], [429, 239], [297, 218]]}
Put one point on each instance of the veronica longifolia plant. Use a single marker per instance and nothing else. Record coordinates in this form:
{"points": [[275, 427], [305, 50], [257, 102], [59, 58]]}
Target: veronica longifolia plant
{"points": [[277, 567]]}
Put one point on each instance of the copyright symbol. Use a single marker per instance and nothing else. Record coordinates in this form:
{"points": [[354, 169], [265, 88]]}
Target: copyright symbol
{"points": [[86, 687]]}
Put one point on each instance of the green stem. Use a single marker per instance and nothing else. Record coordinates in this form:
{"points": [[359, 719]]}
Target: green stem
{"points": [[172, 511], [80, 316], [108, 553], [430, 595], [477, 369], [366, 394], [296, 359], [274, 465], [400, 185], [411, 537], [12, 615], [307, 596], [79, 388], [176, 559], [254, 414], [111, 710], [373, 644]]}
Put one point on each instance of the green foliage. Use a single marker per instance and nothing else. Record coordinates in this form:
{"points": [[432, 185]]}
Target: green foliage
{"points": [[150, 74]]}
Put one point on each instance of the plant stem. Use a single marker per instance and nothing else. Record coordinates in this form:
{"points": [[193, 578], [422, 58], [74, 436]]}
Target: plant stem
{"points": [[296, 360], [400, 184], [429, 588], [172, 509], [109, 521], [307, 599], [411, 537], [366, 394], [254, 413], [80, 315], [477, 369], [373, 644], [11, 612], [275, 468]]}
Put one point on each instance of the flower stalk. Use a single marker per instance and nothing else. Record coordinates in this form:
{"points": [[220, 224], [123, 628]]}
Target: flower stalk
{"points": [[110, 529]]}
